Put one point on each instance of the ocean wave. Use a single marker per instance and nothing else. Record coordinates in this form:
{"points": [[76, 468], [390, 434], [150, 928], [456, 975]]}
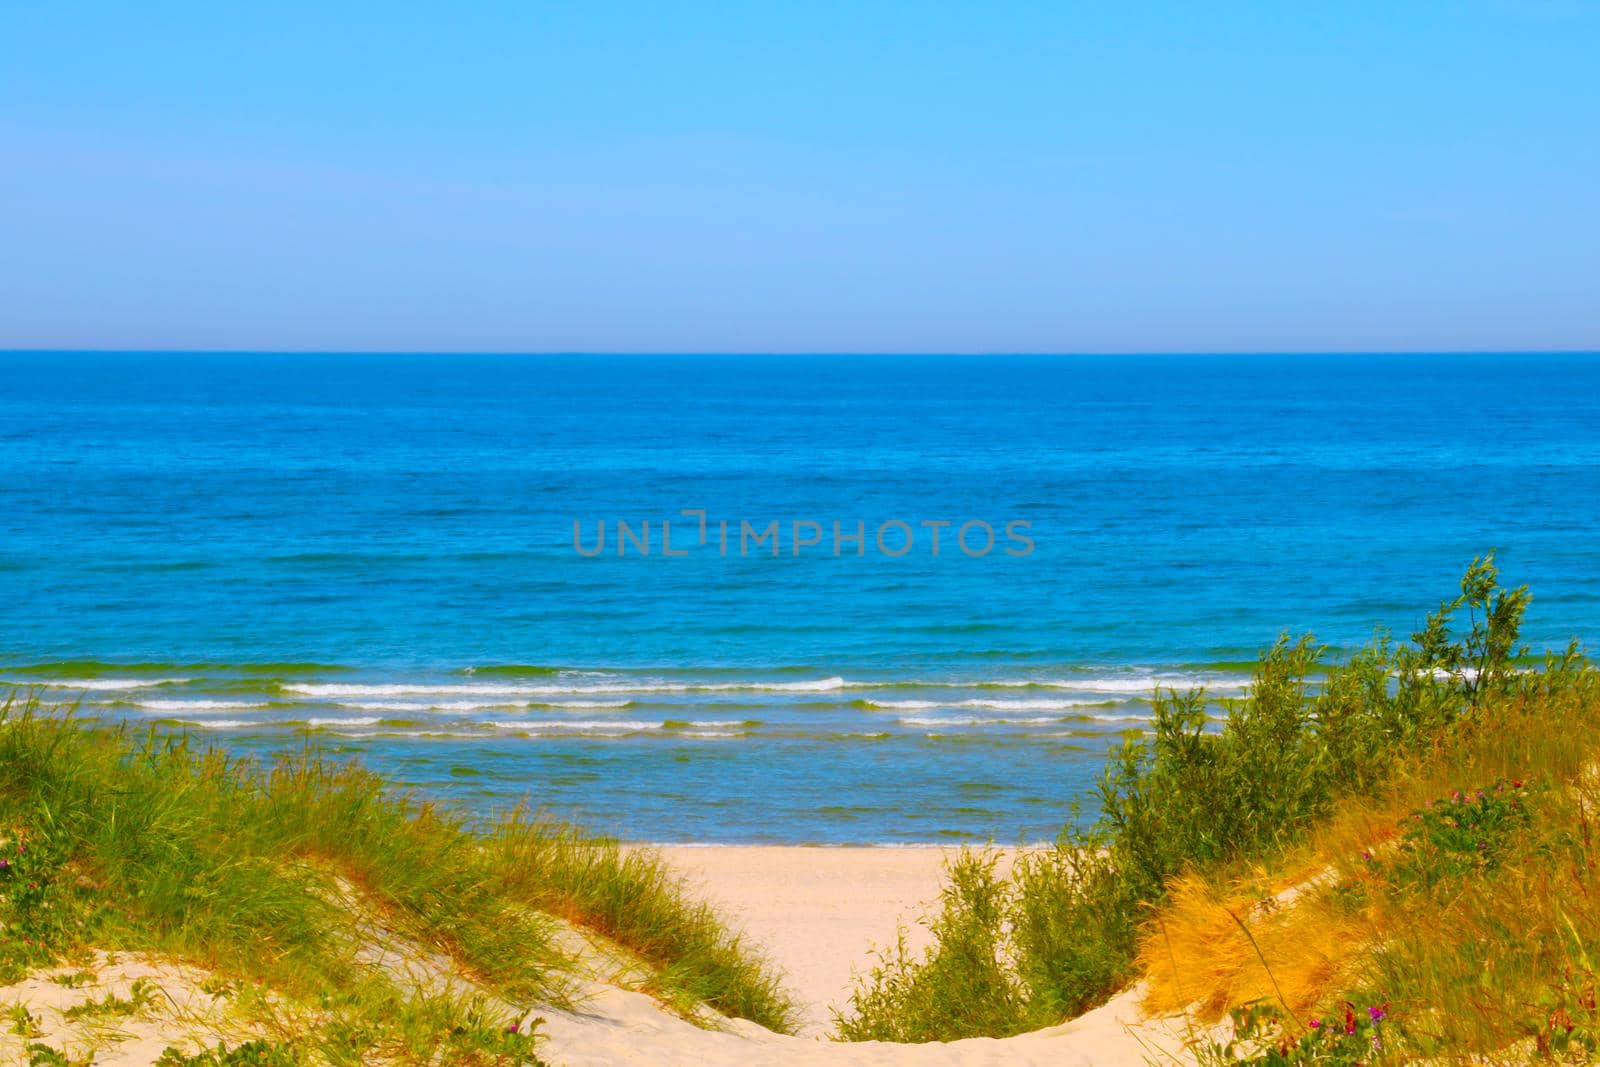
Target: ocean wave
{"points": [[608, 684], [406, 734], [1033, 705], [221, 724], [336, 691], [197, 705], [104, 684], [365, 720], [575, 725], [995, 705], [512, 670], [94, 668], [477, 705], [969, 720], [1142, 684]]}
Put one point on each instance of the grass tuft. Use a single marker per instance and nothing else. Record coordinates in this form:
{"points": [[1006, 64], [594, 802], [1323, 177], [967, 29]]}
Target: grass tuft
{"points": [[301, 876]]}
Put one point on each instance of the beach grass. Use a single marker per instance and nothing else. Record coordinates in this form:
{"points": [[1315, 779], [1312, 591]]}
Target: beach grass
{"points": [[1390, 856], [1454, 914], [293, 878], [1195, 811]]}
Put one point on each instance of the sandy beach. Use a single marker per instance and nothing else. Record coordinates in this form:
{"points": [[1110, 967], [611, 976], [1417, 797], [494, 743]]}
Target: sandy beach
{"points": [[818, 913]]}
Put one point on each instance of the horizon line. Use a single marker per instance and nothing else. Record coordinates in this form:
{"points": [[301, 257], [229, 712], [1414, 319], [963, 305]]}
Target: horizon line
{"points": [[799, 353]]}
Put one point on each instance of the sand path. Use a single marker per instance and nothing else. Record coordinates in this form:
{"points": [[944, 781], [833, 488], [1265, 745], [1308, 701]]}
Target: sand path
{"points": [[817, 912]]}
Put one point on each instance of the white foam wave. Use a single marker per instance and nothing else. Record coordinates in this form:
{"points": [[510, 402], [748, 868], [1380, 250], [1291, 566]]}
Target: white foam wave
{"points": [[452, 706], [1145, 684], [580, 705], [993, 705], [336, 691], [197, 705], [1029, 705], [576, 725], [104, 684], [915, 720], [407, 733], [220, 724], [365, 720]]}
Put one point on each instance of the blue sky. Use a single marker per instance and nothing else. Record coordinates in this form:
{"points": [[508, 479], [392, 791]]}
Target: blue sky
{"points": [[801, 177]]}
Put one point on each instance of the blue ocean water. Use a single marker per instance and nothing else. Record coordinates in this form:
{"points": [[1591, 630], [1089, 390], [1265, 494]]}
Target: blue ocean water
{"points": [[377, 553]]}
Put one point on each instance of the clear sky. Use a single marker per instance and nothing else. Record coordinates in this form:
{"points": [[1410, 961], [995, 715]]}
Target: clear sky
{"points": [[801, 177]]}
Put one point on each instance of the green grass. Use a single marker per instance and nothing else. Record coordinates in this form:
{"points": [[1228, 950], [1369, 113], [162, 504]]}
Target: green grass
{"points": [[273, 876], [1466, 903], [634, 898], [907, 999], [1207, 794]]}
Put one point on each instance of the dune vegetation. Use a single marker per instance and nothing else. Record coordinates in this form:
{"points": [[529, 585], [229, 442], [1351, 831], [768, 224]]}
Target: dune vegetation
{"points": [[1386, 857], [341, 921]]}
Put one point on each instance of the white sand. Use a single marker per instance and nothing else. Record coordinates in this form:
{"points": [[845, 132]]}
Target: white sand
{"points": [[816, 912]]}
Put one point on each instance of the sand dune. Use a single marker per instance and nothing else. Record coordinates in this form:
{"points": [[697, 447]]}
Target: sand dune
{"points": [[615, 1028], [817, 912]]}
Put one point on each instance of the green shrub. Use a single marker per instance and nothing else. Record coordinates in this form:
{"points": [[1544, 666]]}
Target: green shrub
{"points": [[961, 985], [249, 1054], [1201, 792], [1463, 833], [1260, 1039]]}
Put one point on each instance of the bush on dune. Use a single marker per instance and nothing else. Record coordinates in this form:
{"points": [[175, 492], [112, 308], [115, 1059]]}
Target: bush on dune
{"points": [[1464, 896], [1213, 798]]}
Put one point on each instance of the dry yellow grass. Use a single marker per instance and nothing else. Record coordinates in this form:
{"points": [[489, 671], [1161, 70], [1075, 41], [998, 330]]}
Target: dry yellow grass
{"points": [[1501, 963], [1213, 948], [1276, 934]]}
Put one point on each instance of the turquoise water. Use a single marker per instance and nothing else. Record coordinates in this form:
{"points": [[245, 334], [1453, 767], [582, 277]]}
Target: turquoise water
{"points": [[378, 553]]}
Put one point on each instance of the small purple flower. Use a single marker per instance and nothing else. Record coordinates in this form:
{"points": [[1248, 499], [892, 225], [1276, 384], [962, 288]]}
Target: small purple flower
{"points": [[511, 1029], [1367, 856], [1377, 1012], [1316, 1024], [1455, 795]]}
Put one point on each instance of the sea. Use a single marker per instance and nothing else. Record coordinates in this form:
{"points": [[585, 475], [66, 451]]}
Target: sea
{"points": [[698, 598]]}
